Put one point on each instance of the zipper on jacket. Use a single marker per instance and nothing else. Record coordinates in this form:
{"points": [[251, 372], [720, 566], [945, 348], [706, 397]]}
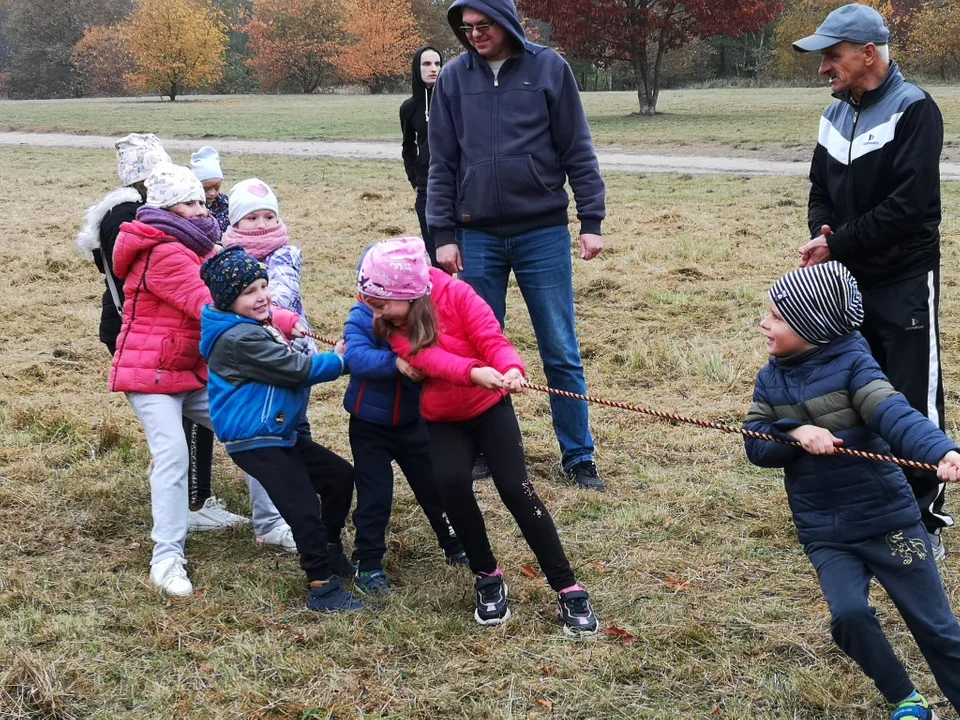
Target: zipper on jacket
{"points": [[853, 136]]}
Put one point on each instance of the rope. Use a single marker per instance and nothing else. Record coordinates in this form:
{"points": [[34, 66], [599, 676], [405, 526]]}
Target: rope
{"points": [[710, 424]]}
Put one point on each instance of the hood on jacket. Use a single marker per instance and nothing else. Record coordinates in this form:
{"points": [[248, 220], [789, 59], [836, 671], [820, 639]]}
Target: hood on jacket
{"points": [[214, 323], [417, 85], [503, 12], [135, 237], [88, 239]]}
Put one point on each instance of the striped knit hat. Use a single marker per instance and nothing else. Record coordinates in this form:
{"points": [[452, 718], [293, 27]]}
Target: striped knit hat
{"points": [[820, 303]]}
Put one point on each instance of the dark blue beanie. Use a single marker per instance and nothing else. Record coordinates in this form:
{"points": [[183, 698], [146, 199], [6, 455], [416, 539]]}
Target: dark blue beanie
{"points": [[229, 272]]}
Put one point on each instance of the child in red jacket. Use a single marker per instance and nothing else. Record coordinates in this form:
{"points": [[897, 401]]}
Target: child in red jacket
{"points": [[444, 329]]}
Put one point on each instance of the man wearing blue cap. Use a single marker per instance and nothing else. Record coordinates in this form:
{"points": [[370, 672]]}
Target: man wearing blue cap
{"points": [[875, 207]]}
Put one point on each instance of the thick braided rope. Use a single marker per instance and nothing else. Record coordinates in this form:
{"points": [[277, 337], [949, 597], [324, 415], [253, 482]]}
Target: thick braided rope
{"points": [[673, 417]]}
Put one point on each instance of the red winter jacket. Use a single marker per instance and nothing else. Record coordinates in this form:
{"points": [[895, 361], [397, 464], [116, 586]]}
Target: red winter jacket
{"points": [[470, 337], [158, 350]]}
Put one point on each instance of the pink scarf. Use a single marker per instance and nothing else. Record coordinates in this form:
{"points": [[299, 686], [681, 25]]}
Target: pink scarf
{"points": [[259, 243]]}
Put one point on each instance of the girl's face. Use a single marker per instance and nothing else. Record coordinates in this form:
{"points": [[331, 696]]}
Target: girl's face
{"points": [[429, 67], [258, 220], [189, 210], [391, 311], [253, 302], [211, 188], [782, 341]]}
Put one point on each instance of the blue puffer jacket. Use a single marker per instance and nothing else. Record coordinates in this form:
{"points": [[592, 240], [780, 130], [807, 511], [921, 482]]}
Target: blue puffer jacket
{"points": [[259, 387], [840, 387], [378, 392]]}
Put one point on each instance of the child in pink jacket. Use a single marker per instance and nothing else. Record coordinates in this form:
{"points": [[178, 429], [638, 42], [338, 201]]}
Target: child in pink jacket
{"points": [[157, 363], [441, 327]]}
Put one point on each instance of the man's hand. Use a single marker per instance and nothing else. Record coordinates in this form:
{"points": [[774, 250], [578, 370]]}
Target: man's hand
{"points": [[487, 377], [949, 469], [409, 370], [816, 251], [590, 246], [816, 440], [513, 381], [449, 257]]}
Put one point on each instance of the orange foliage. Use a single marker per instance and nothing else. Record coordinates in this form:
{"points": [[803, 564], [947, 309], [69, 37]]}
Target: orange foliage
{"points": [[101, 52], [384, 36]]}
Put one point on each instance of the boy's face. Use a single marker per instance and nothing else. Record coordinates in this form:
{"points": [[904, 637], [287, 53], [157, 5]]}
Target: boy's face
{"points": [[211, 189], [189, 210], [253, 302], [258, 220], [391, 311], [781, 340]]}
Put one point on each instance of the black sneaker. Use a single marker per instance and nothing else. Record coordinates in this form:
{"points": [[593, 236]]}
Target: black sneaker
{"points": [[480, 469], [491, 600], [576, 613], [586, 476], [457, 559], [372, 582], [340, 564]]}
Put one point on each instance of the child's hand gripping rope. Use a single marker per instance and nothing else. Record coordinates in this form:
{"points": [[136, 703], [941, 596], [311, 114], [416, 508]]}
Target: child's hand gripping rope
{"points": [[948, 469]]}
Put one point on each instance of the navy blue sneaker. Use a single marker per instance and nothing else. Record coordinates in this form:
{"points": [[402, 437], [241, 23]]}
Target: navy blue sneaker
{"points": [[372, 582], [340, 564], [491, 600], [458, 558], [329, 596], [576, 613]]}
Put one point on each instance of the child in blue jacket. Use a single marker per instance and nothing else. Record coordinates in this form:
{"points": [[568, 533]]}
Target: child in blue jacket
{"points": [[857, 519], [383, 399], [259, 388]]}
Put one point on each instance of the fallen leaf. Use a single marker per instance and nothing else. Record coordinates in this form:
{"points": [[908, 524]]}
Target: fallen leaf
{"points": [[545, 703], [627, 638], [529, 571], [676, 584], [549, 670]]}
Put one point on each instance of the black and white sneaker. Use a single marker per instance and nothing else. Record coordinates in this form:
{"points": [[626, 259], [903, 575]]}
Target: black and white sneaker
{"points": [[491, 600], [585, 475], [576, 613]]}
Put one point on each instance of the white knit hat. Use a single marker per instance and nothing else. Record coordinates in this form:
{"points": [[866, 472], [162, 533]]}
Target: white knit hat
{"points": [[136, 156], [205, 163], [249, 196], [171, 184]]}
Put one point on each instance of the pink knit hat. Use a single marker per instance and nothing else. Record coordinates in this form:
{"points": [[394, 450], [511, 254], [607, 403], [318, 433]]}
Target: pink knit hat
{"points": [[395, 269]]}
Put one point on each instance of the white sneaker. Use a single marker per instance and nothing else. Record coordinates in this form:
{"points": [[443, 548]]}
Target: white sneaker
{"points": [[170, 576], [939, 551], [281, 536], [213, 516]]}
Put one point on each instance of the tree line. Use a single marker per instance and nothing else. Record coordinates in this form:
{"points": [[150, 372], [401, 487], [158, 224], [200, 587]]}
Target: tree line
{"points": [[76, 48]]}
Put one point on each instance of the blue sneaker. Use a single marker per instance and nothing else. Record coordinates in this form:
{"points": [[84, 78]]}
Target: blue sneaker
{"points": [[914, 707], [372, 582], [329, 596]]}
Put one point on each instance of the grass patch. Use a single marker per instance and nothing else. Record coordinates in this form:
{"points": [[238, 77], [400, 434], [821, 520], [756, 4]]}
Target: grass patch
{"points": [[692, 551]]}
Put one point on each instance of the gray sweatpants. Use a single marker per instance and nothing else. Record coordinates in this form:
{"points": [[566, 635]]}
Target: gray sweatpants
{"points": [[161, 416], [903, 564]]}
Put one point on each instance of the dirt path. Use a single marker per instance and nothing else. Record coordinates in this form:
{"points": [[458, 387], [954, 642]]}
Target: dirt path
{"points": [[610, 160]]}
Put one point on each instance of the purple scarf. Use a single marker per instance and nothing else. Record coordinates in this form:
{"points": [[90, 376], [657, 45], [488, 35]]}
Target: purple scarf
{"points": [[199, 234]]}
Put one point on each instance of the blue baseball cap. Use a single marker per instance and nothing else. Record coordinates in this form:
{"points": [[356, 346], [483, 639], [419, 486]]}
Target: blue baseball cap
{"points": [[854, 23]]}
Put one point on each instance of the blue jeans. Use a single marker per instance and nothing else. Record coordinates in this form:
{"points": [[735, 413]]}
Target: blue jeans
{"points": [[542, 265]]}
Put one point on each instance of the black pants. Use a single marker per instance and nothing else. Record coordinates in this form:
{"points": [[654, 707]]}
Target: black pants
{"points": [[428, 240], [496, 434], [902, 562], [902, 325], [375, 447], [200, 442], [293, 478]]}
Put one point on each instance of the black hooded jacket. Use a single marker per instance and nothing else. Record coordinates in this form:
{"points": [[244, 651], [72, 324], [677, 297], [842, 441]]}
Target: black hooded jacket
{"points": [[414, 116]]}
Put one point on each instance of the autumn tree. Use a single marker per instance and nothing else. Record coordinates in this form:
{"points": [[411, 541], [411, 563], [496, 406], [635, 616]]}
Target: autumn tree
{"points": [[101, 56], [642, 32], [175, 44], [294, 42], [383, 35], [933, 43], [432, 25]]}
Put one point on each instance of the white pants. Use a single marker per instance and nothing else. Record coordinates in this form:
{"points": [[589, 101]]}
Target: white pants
{"points": [[161, 417]]}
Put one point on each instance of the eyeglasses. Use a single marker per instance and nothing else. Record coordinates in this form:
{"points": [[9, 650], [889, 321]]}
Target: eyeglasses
{"points": [[481, 29]]}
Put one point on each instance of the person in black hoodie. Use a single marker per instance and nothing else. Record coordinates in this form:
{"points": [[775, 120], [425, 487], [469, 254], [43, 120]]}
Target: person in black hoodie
{"points": [[414, 116]]}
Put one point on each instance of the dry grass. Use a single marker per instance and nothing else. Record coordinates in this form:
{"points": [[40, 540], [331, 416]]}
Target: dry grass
{"points": [[769, 123], [692, 550]]}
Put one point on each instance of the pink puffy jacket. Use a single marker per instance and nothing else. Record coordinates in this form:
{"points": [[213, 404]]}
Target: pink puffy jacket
{"points": [[158, 350], [470, 337]]}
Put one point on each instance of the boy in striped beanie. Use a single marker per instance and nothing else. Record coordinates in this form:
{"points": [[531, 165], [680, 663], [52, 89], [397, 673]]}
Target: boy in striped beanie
{"points": [[857, 518]]}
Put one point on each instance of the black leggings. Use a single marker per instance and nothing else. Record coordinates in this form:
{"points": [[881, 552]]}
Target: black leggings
{"points": [[496, 434], [200, 442], [293, 478]]}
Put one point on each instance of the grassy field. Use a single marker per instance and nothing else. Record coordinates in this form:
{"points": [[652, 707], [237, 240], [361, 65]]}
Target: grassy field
{"points": [[691, 551], [768, 123]]}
